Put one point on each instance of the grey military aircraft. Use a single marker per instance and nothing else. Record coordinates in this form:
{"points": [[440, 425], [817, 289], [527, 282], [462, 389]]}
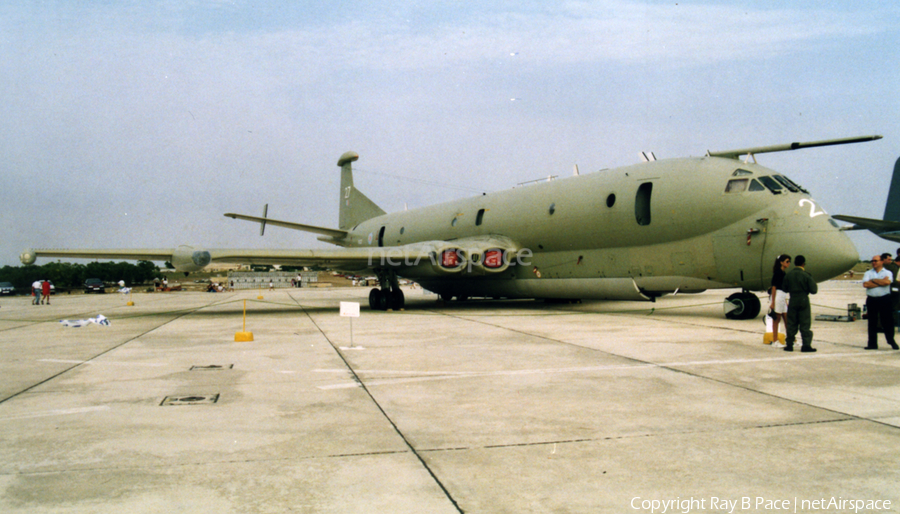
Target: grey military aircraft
{"points": [[889, 226], [638, 232]]}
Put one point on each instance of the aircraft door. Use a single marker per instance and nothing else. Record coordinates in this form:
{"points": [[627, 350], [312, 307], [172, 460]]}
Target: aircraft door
{"points": [[740, 254]]}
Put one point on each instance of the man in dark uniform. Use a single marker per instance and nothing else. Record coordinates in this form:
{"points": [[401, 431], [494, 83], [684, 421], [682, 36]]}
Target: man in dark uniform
{"points": [[894, 267], [799, 284]]}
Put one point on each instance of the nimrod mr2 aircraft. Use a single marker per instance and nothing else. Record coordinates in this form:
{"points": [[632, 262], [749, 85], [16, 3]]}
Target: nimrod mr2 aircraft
{"points": [[632, 233]]}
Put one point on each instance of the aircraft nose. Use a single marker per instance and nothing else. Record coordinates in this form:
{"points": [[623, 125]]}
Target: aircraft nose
{"points": [[839, 255]]}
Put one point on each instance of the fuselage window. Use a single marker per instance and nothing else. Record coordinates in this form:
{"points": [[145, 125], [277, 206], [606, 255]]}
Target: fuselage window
{"points": [[480, 217], [741, 173], [772, 185], [642, 203], [737, 185], [610, 200], [786, 183], [756, 186], [381, 237]]}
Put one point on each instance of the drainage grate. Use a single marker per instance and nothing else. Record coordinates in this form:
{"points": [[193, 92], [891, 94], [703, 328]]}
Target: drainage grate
{"points": [[212, 367], [192, 399]]}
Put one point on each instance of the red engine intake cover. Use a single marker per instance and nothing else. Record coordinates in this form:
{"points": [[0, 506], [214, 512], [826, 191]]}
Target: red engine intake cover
{"points": [[450, 259], [493, 258]]}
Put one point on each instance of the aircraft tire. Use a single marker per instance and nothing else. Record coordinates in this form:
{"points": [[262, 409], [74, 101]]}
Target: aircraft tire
{"points": [[397, 300], [446, 297], [377, 300], [747, 306], [384, 299]]}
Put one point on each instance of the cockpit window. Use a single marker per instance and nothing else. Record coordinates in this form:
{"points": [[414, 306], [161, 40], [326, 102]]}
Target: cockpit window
{"points": [[756, 186], [798, 186], [786, 183], [772, 185], [737, 185], [741, 173]]}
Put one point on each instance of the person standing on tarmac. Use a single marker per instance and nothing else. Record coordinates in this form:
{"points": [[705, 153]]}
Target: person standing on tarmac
{"points": [[45, 290], [777, 296], [877, 282], [799, 284], [36, 291], [894, 267]]}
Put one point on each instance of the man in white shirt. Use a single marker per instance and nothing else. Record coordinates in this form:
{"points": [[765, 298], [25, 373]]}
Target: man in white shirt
{"points": [[36, 289], [877, 282]]}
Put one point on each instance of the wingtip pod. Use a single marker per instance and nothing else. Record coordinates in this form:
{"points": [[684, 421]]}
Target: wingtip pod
{"points": [[28, 256], [347, 158], [187, 258]]}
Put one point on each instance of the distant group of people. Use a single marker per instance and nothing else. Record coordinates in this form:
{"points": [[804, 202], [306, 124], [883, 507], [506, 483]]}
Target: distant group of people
{"points": [[40, 289], [216, 287], [789, 300]]}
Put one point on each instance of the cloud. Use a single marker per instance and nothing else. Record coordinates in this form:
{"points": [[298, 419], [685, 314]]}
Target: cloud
{"points": [[582, 33]]}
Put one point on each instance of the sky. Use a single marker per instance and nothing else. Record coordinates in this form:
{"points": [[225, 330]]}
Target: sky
{"points": [[136, 124]]}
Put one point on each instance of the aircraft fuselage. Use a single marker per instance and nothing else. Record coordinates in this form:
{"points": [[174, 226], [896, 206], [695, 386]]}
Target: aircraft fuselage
{"points": [[635, 232]]}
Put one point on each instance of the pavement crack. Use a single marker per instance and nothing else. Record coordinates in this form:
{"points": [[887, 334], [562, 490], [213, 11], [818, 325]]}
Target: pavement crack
{"points": [[384, 413]]}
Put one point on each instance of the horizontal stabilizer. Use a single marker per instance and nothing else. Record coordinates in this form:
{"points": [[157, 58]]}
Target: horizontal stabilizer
{"points": [[870, 223], [331, 232], [735, 154]]}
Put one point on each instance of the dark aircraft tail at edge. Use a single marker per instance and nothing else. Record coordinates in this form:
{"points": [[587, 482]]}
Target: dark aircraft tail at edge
{"points": [[889, 226]]}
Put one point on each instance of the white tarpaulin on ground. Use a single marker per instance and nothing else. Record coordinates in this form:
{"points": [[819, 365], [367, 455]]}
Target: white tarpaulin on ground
{"points": [[100, 320]]}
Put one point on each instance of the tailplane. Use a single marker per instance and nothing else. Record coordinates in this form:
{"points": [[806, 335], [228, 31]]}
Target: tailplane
{"points": [[355, 206], [892, 208], [888, 227]]}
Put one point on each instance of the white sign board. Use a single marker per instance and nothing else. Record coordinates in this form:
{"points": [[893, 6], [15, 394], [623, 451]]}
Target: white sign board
{"points": [[350, 309]]}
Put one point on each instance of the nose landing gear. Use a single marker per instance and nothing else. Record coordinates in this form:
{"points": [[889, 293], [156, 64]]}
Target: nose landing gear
{"points": [[743, 305]]}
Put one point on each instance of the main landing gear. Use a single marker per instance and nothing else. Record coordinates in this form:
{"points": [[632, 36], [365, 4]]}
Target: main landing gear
{"points": [[743, 305], [389, 297]]}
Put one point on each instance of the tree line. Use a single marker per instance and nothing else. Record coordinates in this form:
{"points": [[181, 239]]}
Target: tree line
{"points": [[67, 275]]}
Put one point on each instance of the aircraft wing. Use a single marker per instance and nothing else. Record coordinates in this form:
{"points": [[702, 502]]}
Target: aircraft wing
{"points": [[344, 258], [189, 258], [736, 154]]}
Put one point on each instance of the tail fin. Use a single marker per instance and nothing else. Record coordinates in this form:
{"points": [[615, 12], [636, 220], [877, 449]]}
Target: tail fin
{"points": [[892, 207], [355, 206]]}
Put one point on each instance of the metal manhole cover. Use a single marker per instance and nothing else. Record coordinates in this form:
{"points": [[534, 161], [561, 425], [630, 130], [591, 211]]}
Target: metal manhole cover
{"points": [[192, 399]]}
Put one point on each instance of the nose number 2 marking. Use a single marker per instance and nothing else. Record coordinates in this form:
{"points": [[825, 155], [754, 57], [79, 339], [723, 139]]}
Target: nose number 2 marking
{"points": [[812, 208]]}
